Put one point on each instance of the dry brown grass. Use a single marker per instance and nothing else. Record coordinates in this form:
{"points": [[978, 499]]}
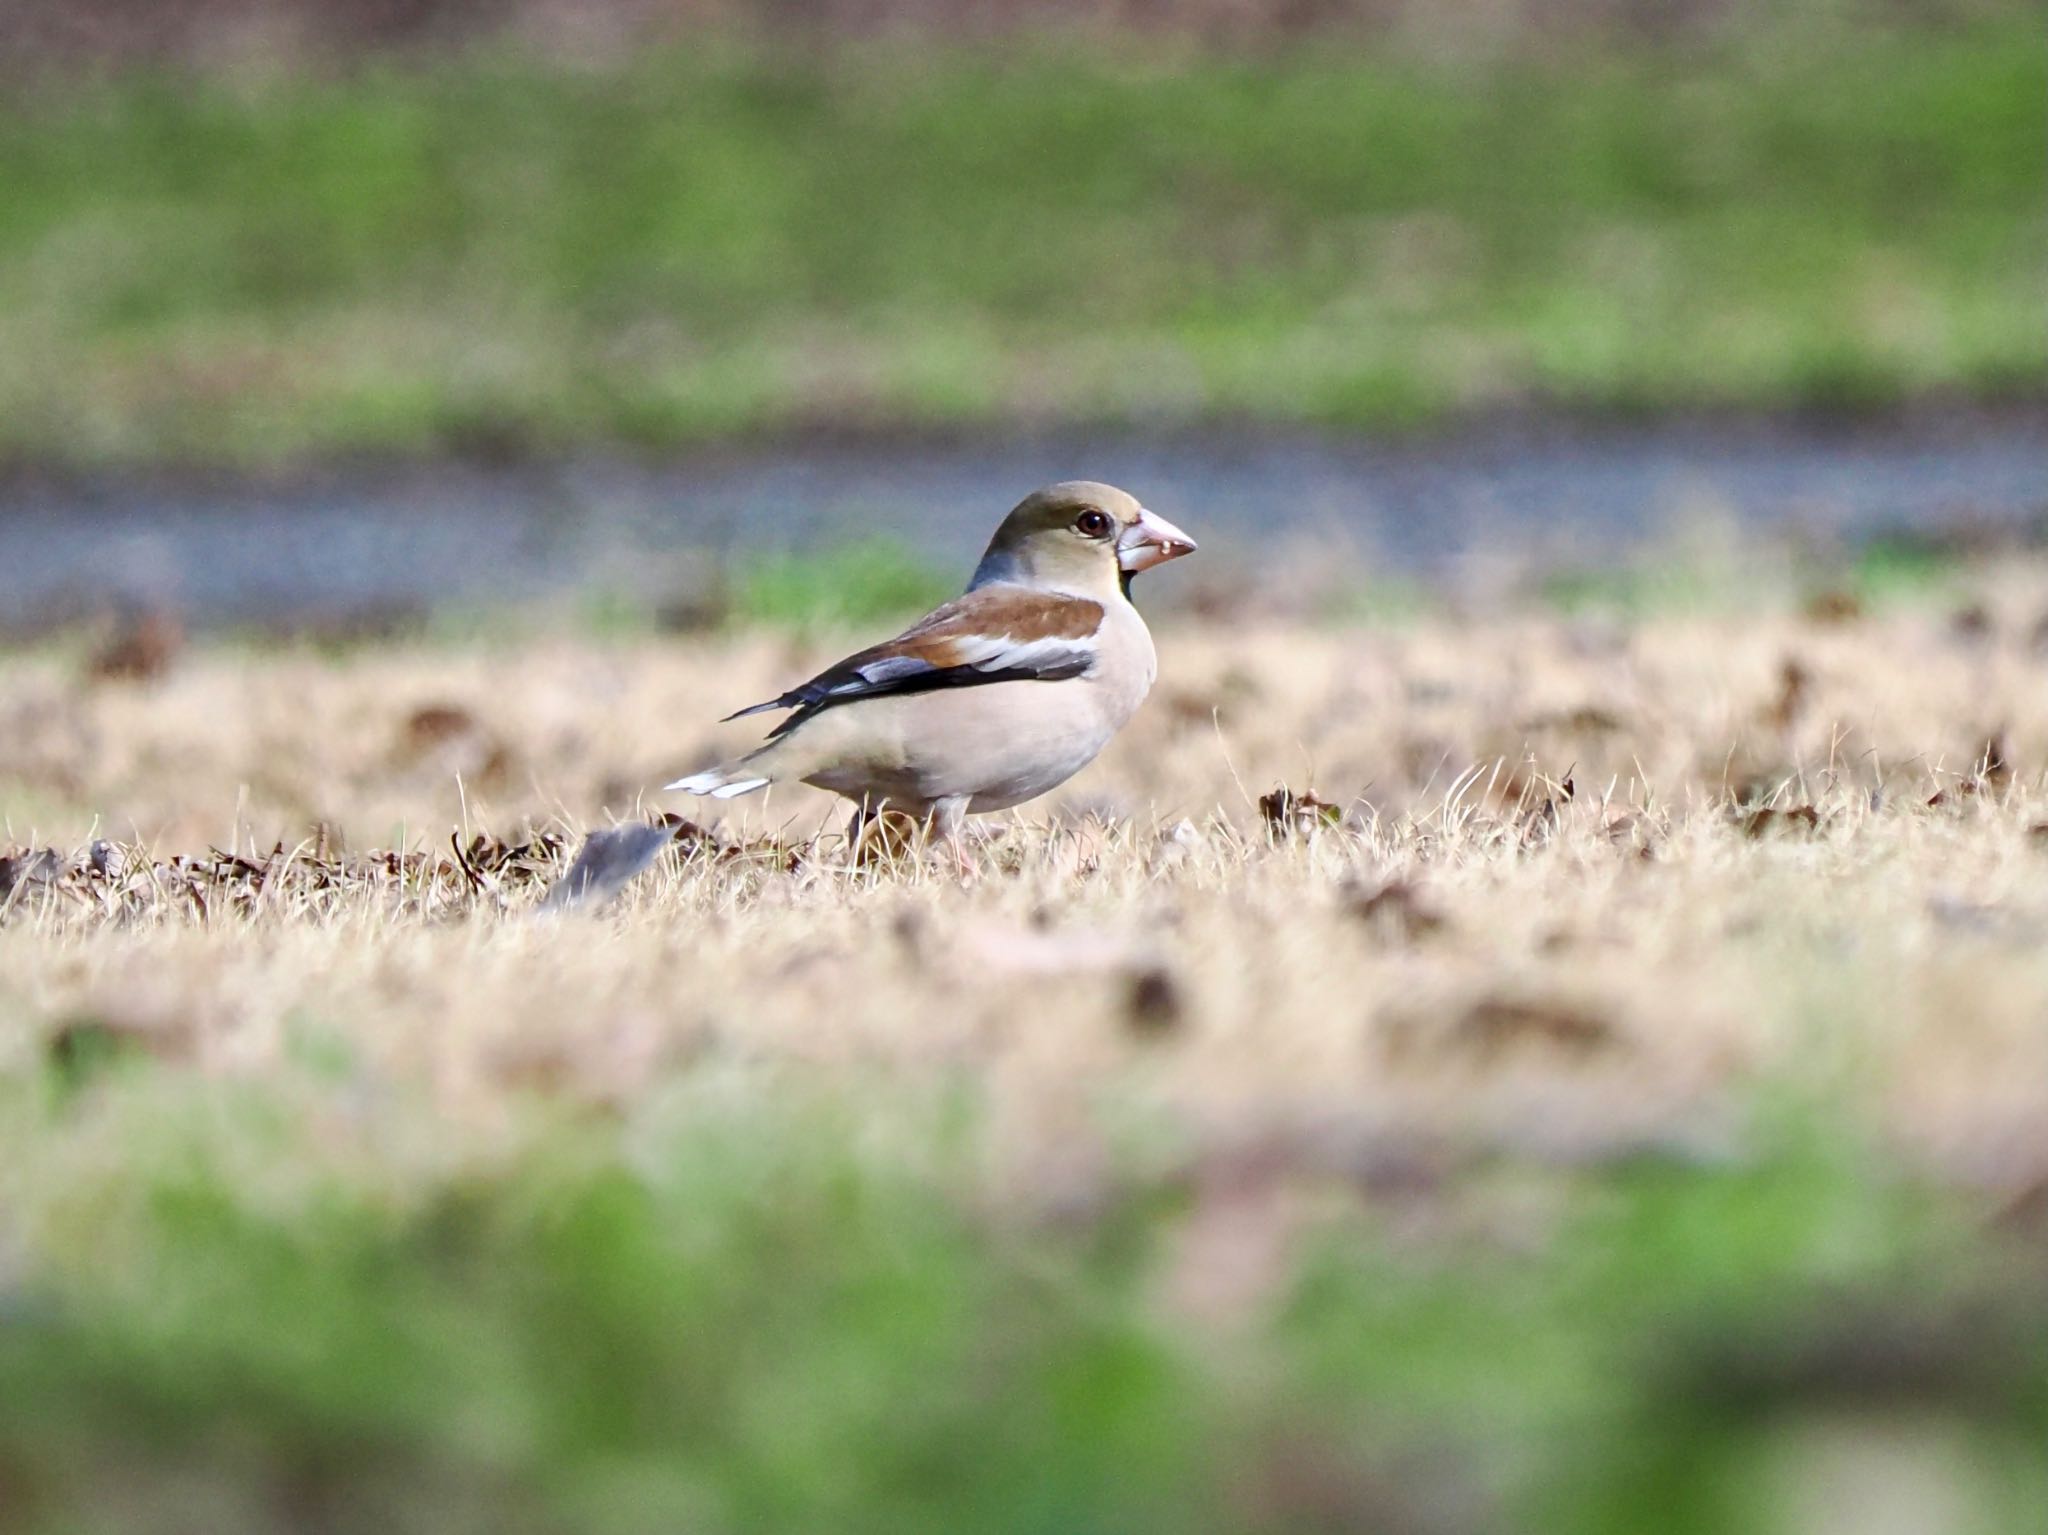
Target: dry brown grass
{"points": [[1579, 887]]}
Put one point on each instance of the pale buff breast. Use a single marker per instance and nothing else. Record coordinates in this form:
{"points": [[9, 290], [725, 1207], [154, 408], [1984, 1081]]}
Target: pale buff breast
{"points": [[994, 745]]}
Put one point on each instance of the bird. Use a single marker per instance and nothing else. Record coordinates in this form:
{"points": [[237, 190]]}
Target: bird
{"points": [[991, 699]]}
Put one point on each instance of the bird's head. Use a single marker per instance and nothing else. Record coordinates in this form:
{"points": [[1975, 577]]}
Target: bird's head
{"points": [[1080, 537]]}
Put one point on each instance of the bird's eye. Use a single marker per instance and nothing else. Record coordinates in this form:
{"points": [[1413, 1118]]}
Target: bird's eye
{"points": [[1092, 524]]}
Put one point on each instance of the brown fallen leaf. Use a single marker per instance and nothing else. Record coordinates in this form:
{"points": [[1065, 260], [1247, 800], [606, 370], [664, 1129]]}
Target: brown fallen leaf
{"points": [[1152, 1002], [1586, 719], [1540, 820], [1494, 1022], [696, 611], [141, 648], [1991, 769], [692, 838], [1190, 710], [431, 724], [1396, 912], [33, 866], [1768, 821], [448, 739], [888, 838], [1834, 606], [1288, 814]]}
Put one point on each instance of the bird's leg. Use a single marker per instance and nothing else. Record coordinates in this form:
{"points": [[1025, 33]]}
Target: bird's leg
{"points": [[870, 837], [949, 820]]}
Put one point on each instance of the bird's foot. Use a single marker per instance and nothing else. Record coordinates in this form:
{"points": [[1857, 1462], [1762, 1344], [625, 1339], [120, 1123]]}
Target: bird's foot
{"points": [[966, 867], [949, 824], [882, 838]]}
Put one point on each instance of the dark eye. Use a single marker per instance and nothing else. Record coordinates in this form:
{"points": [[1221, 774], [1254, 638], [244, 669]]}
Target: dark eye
{"points": [[1092, 524]]}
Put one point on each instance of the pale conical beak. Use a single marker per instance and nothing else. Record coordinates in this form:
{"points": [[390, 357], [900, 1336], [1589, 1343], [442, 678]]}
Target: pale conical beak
{"points": [[1149, 541]]}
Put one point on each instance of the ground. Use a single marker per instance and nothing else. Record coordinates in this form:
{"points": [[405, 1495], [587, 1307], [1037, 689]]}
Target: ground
{"points": [[1485, 1068], [1542, 1054]]}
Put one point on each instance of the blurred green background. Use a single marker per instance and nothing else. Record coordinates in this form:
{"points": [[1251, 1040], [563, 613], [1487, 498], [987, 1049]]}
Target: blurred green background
{"points": [[251, 235], [726, 1311]]}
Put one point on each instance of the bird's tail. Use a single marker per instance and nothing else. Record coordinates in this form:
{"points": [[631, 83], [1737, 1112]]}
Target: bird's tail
{"points": [[726, 781], [783, 759]]}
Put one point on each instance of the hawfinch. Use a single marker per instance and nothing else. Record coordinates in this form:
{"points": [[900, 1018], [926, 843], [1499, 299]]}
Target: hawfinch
{"points": [[997, 696]]}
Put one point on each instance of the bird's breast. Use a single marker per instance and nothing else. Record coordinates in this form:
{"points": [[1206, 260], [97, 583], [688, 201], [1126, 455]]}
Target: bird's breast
{"points": [[1126, 664]]}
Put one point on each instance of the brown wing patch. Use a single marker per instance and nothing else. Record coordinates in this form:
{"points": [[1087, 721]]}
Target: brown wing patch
{"points": [[958, 633], [993, 634]]}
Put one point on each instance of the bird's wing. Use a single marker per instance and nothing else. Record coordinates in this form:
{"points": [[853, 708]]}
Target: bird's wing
{"points": [[995, 633]]}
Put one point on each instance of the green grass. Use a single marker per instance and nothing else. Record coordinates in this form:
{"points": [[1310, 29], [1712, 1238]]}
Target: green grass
{"points": [[255, 1311], [865, 582], [1889, 570], [485, 254]]}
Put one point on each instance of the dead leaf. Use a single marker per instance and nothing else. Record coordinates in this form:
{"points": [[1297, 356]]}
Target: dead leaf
{"points": [[1586, 719], [697, 611], [1189, 710], [1494, 1022], [1768, 822], [141, 649], [1541, 820], [38, 866], [887, 838], [449, 739], [1288, 814], [1992, 769], [1492, 1025], [1397, 912], [1834, 606], [1152, 1002]]}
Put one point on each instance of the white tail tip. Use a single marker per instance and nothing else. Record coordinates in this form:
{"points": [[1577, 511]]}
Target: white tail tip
{"points": [[715, 784]]}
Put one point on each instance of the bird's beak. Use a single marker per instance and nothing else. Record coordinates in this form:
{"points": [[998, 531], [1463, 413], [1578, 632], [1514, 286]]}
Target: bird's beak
{"points": [[1149, 541]]}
